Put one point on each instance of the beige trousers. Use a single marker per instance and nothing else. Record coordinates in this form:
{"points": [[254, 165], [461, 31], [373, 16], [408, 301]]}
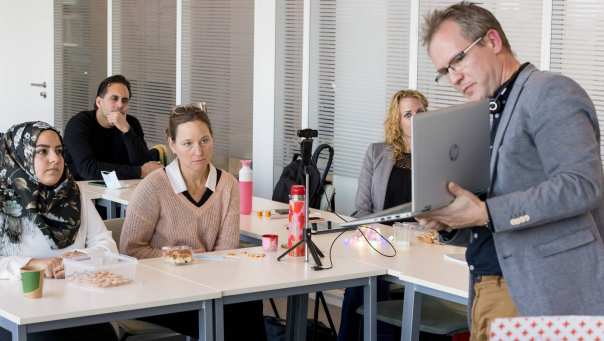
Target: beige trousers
{"points": [[491, 300]]}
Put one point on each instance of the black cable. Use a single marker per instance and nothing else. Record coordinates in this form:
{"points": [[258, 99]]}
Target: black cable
{"points": [[382, 236], [330, 248], [334, 210], [358, 229]]}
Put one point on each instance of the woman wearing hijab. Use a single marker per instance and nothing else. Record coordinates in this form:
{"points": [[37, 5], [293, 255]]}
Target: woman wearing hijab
{"points": [[43, 215]]}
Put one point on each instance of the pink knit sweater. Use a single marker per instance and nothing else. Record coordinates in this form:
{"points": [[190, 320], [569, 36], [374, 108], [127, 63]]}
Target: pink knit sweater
{"points": [[156, 217]]}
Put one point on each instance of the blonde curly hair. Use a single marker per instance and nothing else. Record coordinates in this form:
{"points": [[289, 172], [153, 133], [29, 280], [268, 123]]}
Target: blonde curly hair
{"points": [[392, 126]]}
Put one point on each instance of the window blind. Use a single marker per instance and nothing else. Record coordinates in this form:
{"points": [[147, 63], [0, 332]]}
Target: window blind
{"points": [[288, 81], [359, 58], [217, 68], [321, 94], [576, 50], [80, 50], [144, 51], [521, 21]]}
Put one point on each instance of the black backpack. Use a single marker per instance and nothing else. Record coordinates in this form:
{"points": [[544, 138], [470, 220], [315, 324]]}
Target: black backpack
{"points": [[293, 174]]}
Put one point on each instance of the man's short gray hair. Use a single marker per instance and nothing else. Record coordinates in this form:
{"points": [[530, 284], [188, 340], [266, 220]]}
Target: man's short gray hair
{"points": [[474, 21]]}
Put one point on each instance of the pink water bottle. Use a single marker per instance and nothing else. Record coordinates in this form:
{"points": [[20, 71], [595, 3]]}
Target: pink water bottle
{"points": [[245, 187]]}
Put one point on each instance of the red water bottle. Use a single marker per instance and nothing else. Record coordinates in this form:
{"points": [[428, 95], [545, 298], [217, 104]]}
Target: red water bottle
{"points": [[296, 220]]}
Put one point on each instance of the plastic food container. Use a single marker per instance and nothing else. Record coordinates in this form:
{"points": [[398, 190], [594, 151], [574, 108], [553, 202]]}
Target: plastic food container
{"points": [[177, 255], [406, 232], [100, 271]]}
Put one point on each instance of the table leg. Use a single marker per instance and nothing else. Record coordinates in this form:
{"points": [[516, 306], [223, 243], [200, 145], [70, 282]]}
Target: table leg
{"points": [[412, 312], [108, 207], [19, 333], [206, 323], [297, 312], [219, 319], [122, 211], [370, 308]]}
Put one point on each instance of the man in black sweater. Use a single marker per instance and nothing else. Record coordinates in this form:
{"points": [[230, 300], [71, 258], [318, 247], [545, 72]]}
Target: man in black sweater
{"points": [[107, 138]]}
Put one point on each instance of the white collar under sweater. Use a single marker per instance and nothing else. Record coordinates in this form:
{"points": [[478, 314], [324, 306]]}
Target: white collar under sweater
{"points": [[178, 182]]}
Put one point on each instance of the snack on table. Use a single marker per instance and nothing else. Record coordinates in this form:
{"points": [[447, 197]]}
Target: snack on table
{"points": [[255, 255], [100, 270], [177, 255], [429, 237], [99, 279]]}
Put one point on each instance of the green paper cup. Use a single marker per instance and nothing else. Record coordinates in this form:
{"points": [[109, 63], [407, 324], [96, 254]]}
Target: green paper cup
{"points": [[32, 281]]}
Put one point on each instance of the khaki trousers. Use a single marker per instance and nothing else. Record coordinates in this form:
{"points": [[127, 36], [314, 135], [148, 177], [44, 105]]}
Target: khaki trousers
{"points": [[491, 300]]}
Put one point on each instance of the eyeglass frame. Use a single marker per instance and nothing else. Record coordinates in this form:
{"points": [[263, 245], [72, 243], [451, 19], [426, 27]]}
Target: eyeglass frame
{"points": [[455, 60]]}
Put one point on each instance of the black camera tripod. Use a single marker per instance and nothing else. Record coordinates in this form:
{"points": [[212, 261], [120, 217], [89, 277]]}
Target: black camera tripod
{"points": [[310, 247]]}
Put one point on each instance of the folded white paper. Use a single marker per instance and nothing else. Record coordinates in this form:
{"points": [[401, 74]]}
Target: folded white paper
{"points": [[111, 180]]}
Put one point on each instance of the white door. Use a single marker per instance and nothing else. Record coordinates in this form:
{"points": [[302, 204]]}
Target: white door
{"points": [[26, 61]]}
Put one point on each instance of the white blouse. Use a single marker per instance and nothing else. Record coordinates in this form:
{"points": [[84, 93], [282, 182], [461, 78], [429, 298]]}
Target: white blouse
{"points": [[92, 235]]}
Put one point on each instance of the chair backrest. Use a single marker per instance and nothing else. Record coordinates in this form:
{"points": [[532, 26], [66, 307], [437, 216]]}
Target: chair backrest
{"points": [[163, 154], [327, 192], [548, 328], [115, 226]]}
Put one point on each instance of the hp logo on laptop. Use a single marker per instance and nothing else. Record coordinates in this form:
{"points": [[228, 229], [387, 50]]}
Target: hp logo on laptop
{"points": [[454, 152]]}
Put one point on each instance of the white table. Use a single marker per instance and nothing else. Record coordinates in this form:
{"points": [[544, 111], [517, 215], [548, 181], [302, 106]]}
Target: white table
{"points": [[245, 279], [110, 196], [421, 268], [65, 305], [253, 227]]}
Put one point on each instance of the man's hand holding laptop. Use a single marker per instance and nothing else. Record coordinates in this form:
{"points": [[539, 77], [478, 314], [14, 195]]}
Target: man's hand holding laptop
{"points": [[466, 210]]}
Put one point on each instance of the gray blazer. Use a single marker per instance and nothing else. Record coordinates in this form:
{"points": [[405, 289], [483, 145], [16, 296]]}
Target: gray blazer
{"points": [[373, 179], [546, 197]]}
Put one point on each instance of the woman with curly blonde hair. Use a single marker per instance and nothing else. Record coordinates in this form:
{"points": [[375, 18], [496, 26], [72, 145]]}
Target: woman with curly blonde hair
{"points": [[384, 182], [385, 178]]}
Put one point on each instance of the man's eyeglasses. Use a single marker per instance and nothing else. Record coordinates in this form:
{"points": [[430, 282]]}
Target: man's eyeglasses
{"points": [[440, 73]]}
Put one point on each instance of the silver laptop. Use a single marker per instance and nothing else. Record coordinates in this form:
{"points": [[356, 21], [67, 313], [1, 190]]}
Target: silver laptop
{"points": [[450, 144]]}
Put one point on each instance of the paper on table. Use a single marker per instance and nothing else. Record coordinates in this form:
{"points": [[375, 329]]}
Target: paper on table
{"points": [[459, 258], [203, 256], [111, 180]]}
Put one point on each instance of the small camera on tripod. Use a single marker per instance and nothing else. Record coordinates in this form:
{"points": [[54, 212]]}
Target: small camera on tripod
{"points": [[308, 133], [306, 136]]}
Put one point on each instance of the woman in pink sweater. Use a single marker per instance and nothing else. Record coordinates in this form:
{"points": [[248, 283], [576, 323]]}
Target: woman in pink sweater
{"points": [[190, 202], [193, 203]]}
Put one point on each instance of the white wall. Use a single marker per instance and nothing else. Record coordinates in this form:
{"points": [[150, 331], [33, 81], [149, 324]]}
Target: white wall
{"points": [[264, 96], [27, 37], [346, 190]]}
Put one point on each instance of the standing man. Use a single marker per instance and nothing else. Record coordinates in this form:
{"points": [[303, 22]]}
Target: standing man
{"points": [[535, 244], [107, 138]]}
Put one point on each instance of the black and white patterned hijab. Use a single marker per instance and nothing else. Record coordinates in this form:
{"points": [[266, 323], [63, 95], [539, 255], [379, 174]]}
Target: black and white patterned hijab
{"points": [[54, 210]]}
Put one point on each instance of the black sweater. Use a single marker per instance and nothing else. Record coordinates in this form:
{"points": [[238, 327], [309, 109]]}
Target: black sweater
{"points": [[90, 148]]}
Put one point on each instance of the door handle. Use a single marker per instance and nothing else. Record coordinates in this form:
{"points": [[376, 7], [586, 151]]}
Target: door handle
{"points": [[41, 85]]}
